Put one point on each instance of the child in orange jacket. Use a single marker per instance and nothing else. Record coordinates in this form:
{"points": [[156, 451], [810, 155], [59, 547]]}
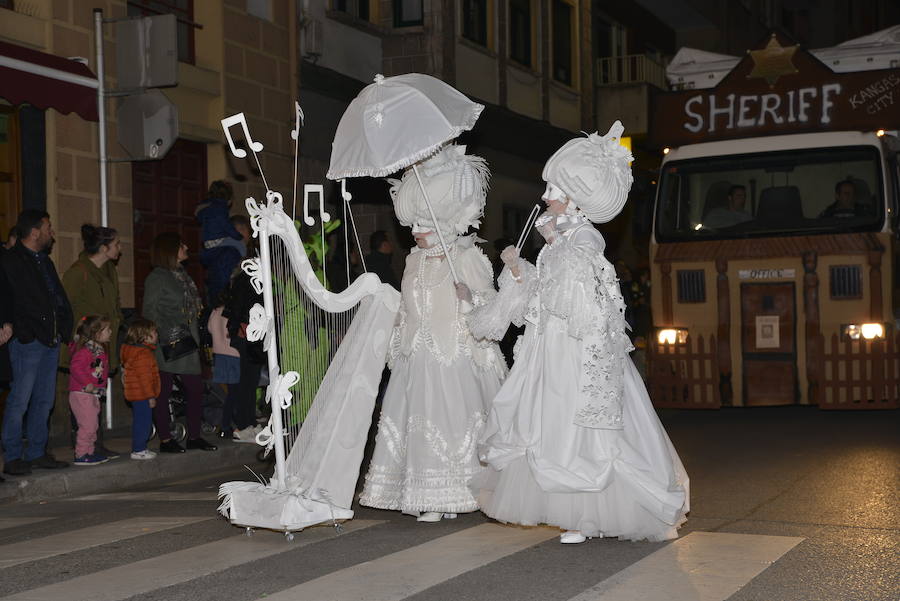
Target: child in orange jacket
{"points": [[141, 380]]}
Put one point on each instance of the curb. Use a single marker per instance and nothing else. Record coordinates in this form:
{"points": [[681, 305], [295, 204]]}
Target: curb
{"points": [[124, 472]]}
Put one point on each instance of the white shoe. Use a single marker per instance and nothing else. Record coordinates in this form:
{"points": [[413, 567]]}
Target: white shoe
{"points": [[572, 537], [449, 516], [145, 454], [430, 516], [248, 434]]}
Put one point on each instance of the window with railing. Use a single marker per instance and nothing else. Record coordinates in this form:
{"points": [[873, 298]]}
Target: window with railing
{"points": [[631, 68], [184, 13], [358, 9], [520, 32], [563, 24], [475, 21]]}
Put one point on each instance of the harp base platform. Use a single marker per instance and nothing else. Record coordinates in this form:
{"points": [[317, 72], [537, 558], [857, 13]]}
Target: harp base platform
{"points": [[254, 505]]}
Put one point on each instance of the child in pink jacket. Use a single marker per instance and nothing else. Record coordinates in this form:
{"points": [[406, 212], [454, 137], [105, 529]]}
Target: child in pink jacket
{"points": [[88, 373]]}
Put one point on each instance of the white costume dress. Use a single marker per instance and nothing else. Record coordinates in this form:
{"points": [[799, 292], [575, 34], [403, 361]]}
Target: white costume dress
{"points": [[435, 404], [572, 439], [442, 379]]}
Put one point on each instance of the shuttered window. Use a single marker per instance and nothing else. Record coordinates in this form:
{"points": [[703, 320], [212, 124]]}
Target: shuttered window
{"points": [[846, 282], [691, 286]]}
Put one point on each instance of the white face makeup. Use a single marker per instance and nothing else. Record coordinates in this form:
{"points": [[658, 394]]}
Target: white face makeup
{"points": [[555, 199], [425, 238]]}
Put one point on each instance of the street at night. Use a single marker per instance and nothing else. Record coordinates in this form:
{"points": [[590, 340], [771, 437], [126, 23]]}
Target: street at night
{"points": [[449, 300], [786, 503]]}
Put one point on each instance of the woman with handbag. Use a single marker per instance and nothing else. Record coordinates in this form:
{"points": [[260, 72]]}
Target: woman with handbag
{"points": [[171, 300]]}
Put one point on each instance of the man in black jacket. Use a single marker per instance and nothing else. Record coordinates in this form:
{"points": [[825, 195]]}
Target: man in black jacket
{"points": [[42, 320]]}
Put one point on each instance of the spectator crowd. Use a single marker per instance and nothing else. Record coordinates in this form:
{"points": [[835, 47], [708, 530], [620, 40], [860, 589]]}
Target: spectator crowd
{"points": [[74, 325]]}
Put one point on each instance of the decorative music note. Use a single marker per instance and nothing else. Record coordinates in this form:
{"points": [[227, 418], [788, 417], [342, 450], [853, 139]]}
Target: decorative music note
{"points": [[295, 133], [345, 194], [319, 189], [228, 123]]}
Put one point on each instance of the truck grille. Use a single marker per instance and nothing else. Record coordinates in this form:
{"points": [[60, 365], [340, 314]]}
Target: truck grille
{"points": [[691, 286], [846, 281]]}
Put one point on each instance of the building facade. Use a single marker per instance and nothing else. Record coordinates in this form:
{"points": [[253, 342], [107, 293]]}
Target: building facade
{"points": [[234, 56], [527, 61]]}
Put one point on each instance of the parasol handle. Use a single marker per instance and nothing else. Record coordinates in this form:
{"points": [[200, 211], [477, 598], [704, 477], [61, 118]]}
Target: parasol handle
{"points": [[436, 227]]}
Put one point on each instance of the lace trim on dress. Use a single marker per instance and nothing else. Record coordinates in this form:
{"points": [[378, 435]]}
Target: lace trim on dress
{"points": [[578, 284], [398, 486]]}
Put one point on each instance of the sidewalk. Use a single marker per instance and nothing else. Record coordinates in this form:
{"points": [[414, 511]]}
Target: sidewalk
{"points": [[124, 472]]}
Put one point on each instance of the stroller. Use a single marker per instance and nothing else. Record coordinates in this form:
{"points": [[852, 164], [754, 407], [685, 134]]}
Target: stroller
{"points": [[213, 399]]}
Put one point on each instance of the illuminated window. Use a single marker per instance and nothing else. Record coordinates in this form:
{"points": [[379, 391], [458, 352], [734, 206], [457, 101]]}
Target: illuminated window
{"points": [[520, 32], [475, 21], [563, 24]]}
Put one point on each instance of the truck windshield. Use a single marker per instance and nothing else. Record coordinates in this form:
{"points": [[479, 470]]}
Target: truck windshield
{"points": [[771, 194]]}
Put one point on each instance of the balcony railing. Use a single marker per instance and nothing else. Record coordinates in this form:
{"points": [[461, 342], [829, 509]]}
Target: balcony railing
{"points": [[631, 68]]}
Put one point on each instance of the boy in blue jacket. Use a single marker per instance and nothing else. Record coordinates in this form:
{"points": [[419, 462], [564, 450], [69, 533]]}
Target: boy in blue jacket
{"points": [[223, 246]]}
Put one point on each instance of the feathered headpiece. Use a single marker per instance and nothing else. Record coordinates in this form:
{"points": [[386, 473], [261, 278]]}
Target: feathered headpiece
{"points": [[457, 185], [594, 172]]}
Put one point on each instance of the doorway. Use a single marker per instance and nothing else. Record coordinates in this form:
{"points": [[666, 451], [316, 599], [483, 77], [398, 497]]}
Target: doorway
{"points": [[165, 194], [10, 188], [768, 333]]}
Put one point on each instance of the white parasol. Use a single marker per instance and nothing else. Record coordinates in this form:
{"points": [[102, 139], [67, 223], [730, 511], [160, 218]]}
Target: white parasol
{"points": [[397, 122]]}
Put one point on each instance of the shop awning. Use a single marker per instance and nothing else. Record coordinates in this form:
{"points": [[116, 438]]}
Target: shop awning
{"points": [[47, 81]]}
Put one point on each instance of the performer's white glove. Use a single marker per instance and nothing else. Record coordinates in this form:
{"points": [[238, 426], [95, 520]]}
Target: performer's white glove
{"points": [[463, 293], [510, 258], [465, 297], [546, 227]]}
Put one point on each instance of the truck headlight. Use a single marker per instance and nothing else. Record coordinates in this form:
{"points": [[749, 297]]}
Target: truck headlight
{"points": [[671, 336]]}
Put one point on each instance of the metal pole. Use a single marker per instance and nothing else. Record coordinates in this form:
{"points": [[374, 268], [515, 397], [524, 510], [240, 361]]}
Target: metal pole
{"points": [[101, 131]]}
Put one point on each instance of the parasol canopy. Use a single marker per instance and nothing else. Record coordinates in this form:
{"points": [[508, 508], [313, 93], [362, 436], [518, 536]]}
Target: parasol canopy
{"points": [[398, 121]]}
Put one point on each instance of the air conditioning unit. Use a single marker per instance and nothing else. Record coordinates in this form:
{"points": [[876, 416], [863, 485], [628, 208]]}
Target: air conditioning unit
{"points": [[312, 39]]}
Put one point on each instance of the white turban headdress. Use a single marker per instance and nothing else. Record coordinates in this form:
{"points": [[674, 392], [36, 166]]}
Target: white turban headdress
{"points": [[594, 173], [457, 185]]}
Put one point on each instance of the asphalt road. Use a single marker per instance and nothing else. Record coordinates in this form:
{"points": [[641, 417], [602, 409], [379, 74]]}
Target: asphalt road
{"points": [[786, 504]]}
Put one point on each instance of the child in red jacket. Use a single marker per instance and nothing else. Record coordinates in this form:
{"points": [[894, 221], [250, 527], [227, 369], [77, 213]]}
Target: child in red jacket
{"points": [[88, 373], [141, 378]]}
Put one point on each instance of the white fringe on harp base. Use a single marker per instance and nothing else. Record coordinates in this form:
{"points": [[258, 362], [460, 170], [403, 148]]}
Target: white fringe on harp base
{"points": [[333, 346]]}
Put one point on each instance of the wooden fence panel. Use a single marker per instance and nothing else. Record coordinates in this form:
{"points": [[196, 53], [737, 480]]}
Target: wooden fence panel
{"points": [[860, 374], [684, 375]]}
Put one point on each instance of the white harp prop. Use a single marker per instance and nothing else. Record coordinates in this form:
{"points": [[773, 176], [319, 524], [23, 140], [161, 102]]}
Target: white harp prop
{"points": [[326, 352]]}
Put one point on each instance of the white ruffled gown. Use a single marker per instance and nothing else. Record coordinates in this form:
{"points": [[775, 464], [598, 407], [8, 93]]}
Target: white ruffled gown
{"points": [[442, 380], [572, 439]]}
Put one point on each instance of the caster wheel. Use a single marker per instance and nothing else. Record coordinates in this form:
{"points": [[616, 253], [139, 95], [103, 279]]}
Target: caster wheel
{"points": [[289, 536], [248, 532], [179, 431]]}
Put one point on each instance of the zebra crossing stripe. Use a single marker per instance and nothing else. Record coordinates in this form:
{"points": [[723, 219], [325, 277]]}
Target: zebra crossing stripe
{"points": [[702, 566], [16, 522], [84, 538], [181, 566], [399, 575], [150, 495]]}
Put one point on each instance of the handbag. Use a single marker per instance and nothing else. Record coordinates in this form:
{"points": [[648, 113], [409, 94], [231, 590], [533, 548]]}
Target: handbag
{"points": [[180, 343]]}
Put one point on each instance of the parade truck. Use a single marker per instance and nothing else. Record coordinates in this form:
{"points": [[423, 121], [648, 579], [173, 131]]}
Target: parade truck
{"points": [[774, 251]]}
